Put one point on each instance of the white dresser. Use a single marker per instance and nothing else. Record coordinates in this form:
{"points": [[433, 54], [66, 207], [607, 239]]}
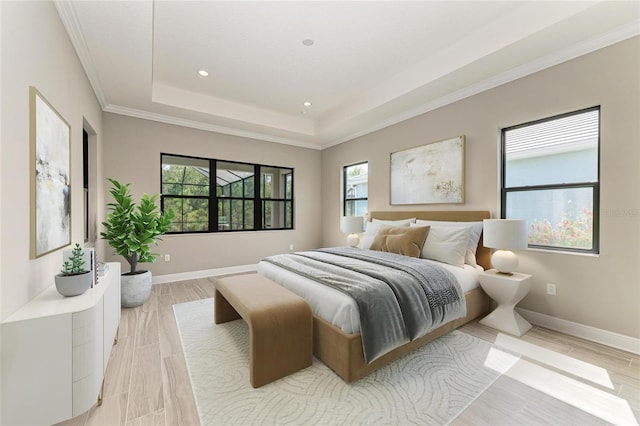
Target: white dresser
{"points": [[55, 351]]}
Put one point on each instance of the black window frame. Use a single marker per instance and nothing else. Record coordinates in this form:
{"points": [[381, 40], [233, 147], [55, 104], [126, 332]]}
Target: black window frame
{"points": [[213, 198], [345, 199], [594, 185]]}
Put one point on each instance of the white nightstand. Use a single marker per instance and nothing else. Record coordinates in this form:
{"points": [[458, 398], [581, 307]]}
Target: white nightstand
{"points": [[507, 291]]}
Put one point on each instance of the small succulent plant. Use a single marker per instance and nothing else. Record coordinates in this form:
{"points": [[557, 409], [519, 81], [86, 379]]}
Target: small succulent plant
{"points": [[74, 265]]}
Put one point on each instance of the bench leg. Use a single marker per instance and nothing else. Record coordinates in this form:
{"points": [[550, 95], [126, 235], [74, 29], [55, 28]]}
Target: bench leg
{"points": [[223, 311], [280, 344]]}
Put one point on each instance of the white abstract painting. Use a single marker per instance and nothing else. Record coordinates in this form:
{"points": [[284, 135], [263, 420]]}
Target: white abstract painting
{"points": [[52, 202], [429, 174]]}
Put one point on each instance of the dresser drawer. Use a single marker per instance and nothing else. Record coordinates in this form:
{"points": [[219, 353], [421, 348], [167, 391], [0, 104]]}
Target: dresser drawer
{"points": [[87, 342], [84, 359], [81, 318], [85, 392], [87, 333]]}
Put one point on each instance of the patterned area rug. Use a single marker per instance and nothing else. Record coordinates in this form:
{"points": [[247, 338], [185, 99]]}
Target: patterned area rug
{"points": [[432, 385]]}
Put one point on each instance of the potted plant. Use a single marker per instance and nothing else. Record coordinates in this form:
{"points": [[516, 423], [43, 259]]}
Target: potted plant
{"points": [[73, 279], [130, 230]]}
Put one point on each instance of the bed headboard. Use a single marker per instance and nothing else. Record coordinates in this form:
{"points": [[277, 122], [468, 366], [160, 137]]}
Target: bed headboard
{"points": [[483, 254]]}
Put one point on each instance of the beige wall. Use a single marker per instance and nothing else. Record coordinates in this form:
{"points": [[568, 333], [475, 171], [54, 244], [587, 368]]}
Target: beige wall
{"points": [[132, 154], [36, 51], [602, 291]]}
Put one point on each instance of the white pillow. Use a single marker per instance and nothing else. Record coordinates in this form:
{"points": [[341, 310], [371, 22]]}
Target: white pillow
{"points": [[446, 244], [374, 226], [474, 235]]}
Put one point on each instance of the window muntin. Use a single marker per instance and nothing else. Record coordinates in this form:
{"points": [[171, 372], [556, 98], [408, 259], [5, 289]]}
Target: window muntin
{"points": [[550, 178], [355, 189], [185, 189]]}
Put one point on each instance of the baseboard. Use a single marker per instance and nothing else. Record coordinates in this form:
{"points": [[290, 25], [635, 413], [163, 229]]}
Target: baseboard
{"points": [[160, 279], [609, 338]]}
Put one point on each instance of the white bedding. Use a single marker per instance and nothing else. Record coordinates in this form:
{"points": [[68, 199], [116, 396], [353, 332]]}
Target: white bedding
{"points": [[338, 308]]}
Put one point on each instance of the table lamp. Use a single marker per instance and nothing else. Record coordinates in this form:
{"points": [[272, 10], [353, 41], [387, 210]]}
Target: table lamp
{"points": [[352, 225], [505, 235]]}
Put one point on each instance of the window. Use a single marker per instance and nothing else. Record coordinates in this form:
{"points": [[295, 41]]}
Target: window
{"points": [[235, 188], [550, 178], [355, 190], [185, 190], [276, 191], [242, 202]]}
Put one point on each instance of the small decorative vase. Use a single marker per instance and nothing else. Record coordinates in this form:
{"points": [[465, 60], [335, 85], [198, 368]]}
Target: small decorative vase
{"points": [[73, 285], [135, 288]]}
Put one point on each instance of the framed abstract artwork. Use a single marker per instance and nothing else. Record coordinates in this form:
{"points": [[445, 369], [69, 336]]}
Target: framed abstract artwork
{"points": [[50, 139], [429, 174]]}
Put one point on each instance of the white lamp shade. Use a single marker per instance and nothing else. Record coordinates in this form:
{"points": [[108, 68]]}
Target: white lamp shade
{"points": [[505, 234], [351, 224]]}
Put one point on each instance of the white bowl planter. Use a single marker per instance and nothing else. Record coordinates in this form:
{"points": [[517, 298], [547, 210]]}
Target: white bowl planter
{"points": [[73, 285], [135, 288]]}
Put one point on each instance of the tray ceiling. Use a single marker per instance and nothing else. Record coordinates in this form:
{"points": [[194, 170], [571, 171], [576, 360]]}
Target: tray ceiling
{"points": [[362, 65]]}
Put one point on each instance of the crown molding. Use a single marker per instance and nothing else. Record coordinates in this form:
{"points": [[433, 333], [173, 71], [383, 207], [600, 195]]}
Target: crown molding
{"points": [[591, 45], [167, 119], [70, 21]]}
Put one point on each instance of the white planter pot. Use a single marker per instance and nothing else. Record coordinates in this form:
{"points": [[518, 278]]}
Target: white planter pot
{"points": [[135, 289], [73, 285]]}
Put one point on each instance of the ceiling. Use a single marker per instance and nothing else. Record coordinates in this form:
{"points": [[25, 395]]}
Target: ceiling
{"points": [[371, 64]]}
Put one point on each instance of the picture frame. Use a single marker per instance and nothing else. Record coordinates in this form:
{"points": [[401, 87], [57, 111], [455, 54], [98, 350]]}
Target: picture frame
{"points": [[429, 174], [50, 158]]}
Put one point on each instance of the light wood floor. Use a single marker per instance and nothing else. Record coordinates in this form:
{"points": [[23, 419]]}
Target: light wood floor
{"points": [[147, 381]]}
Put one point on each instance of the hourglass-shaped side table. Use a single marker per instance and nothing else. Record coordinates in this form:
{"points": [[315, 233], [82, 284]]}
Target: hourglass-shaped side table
{"points": [[507, 291]]}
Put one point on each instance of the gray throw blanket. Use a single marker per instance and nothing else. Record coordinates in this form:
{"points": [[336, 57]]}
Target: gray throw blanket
{"points": [[399, 298]]}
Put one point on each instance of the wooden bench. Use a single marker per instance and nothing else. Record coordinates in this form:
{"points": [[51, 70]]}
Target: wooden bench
{"points": [[280, 324]]}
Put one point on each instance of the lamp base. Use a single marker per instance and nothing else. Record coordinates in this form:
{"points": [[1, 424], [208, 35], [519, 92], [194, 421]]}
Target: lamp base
{"points": [[505, 261], [353, 240]]}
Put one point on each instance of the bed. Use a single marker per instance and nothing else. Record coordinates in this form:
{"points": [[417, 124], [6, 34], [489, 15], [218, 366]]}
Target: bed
{"points": [[337, 340]]}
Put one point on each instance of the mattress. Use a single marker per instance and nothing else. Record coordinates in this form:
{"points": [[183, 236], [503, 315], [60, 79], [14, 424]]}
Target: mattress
{"points": [[338, 308]]}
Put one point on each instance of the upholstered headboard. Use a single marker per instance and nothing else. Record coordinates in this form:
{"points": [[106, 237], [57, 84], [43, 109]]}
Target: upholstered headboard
{"points": [[483, 254]]}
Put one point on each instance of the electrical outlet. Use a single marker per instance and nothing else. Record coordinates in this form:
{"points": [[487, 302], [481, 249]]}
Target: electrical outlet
{"points": [[551, 289], [167, 258], [290, 247]]}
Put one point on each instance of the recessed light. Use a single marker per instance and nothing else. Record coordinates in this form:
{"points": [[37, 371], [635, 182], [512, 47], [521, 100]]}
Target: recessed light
{"points": [[308, 42], [307, 104], [203, 73]]}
